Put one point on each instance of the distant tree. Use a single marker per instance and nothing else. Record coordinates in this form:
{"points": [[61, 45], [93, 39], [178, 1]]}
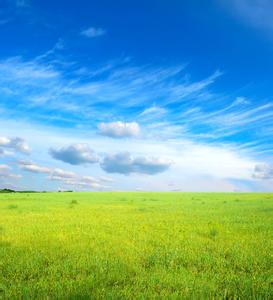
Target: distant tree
{"points": [[7, 191]]}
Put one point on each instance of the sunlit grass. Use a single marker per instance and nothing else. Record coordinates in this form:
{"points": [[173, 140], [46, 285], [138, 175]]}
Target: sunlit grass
{"points": [[136, 245]]}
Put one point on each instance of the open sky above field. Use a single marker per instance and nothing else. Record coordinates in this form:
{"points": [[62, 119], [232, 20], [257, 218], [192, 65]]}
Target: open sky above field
{"points": [[136, 95]]}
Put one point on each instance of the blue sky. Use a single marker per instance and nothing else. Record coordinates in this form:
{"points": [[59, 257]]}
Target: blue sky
{"points": [[136, 95]]}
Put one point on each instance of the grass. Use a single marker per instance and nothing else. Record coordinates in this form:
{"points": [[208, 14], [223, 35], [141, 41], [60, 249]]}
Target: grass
{"points": [[136, 246]]}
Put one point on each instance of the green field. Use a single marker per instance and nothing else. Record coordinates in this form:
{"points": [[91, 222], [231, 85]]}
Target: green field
{"points": [[136, 246]]}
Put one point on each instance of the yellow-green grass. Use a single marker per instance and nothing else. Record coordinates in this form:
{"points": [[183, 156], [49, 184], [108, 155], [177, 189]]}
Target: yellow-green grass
{"points": [[136, 246]]}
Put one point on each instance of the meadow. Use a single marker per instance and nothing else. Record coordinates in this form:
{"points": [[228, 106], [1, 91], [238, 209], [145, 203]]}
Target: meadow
{"points": [[136, 246]]}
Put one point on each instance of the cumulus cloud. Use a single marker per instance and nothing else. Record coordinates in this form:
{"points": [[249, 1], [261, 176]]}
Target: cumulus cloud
{"points": [[32, 167], [93, 32], [17, 144], [119, 129], [124, 163], [263, 171], [74, 154]]}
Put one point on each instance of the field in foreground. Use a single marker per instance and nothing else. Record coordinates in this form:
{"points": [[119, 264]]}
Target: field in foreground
{"points": [[136, 245]]}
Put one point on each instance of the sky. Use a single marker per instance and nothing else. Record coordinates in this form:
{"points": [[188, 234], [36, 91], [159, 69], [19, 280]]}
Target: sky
{"points": [[150, 95]]}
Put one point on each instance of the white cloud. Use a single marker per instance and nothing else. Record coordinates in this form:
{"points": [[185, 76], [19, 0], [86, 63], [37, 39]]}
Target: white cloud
{"points": [[43, 81], [93, 32], [119, 129], [241, 101], [32, 167], [130, 91], [187, 89], [74, 154], [72, 179], [4, 152], [68, 178], [218, 160], [59, 174], [230, 120], [124, 163], [153, 112], [28, 71], [17, 144], [263, 171], [83, 183]]}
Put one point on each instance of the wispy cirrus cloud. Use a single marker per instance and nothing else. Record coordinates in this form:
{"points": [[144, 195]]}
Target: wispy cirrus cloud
{"points": [[42, 81], [27, 72], [44, 86], [153, 112], [53, 92]]}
